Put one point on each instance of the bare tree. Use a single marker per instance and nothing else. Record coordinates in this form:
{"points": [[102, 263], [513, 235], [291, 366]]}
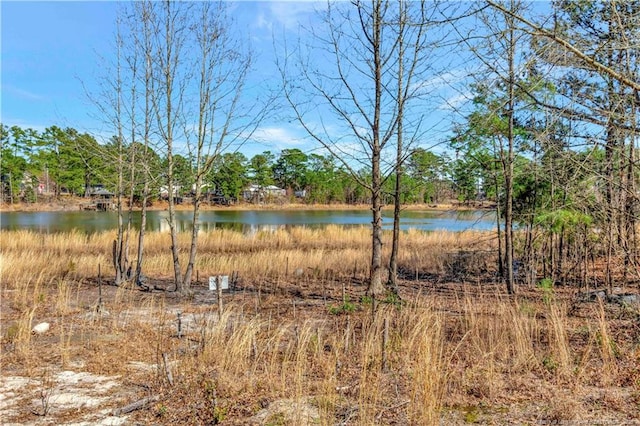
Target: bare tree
{"points": [[348, 77], [119, 252], [140, 24], [415, 47], [354, 77], [224, 120], [192, 72]]}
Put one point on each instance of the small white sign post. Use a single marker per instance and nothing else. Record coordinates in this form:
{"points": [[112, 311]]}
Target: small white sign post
{"points": [[224, 280], [219, 283]]}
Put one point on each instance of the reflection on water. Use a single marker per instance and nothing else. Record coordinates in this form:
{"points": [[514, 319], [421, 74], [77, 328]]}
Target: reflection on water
{"points": [[246, 221]]}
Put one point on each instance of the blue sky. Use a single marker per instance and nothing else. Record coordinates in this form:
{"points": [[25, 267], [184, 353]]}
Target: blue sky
{"points": [[48, 50], [51, 57]]}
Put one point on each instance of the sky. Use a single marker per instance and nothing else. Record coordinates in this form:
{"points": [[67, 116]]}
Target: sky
{"points": [[53, 56], [48, 50]]}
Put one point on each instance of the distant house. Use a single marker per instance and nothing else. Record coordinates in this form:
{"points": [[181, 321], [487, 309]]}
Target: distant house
{"points": [[42, 184], [217, 197], [177, 191], [101, 194], [101, 199], [256, 193]]}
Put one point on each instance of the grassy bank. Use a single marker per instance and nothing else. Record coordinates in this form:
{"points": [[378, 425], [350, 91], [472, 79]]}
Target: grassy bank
{"points": [[298, 343]]}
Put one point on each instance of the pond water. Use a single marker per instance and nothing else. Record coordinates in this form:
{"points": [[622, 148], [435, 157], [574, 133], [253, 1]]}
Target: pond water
{"points": [[246, 220]]}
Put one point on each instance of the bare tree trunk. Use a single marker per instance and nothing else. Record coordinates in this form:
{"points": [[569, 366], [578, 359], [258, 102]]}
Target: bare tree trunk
{"points": [[499, 232], [169, 57], [144, 13], [632, 192], [376, 287], [118, 252], [393, 260], [194, 235], [222, 116], [132, 158], [508, 169]]}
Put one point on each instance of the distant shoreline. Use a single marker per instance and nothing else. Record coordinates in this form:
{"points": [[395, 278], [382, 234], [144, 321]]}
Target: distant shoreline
{"points": [[74, 204]]}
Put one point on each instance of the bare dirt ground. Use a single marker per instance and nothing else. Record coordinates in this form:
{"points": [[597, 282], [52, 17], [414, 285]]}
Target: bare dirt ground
{"points": [[98, 370]]}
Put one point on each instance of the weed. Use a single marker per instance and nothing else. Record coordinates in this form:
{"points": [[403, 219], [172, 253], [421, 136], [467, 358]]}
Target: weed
{"points": [[276, 419], [366, 300], [160, 410], [392, 299], [549, 363], [345, 308], [471, 415], [45, 391], [546, 285]]}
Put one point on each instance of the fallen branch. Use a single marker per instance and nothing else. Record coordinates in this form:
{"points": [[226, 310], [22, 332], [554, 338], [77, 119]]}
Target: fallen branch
{"points": [[137, 405], [393, 407]]}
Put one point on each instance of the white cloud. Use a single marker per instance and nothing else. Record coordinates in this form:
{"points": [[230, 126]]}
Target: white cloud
{"points": [[454, 102], [25, 94], [277, 137], [288, 14], [262, 22], [440, 81]]}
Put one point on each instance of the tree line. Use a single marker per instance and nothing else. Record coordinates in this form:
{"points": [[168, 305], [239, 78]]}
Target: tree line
{"points": [[62, 161]]}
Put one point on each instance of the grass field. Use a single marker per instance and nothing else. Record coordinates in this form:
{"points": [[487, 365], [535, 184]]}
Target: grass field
{"points": [[298, 342]]}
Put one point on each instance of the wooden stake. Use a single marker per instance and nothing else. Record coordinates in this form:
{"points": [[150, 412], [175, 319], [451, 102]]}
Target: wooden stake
{"points": [[219, 291], [347, 334], [167, 368], [254, 348], [99, 307], [385, 340]]}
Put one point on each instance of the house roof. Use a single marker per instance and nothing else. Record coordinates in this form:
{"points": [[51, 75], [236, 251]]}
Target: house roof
{"points": [[101, 191], [254, 187]]}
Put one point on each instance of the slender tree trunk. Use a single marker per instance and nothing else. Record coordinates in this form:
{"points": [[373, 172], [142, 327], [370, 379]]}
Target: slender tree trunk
{"points": [[499, 231], [631, 196], [141, 234], [609, 207], [395, 244], [632, 191], [10, 188], [376, 287], [132, 164], [119, 258], [508, 171], [144, 14], [170, 120], [194, 234]]}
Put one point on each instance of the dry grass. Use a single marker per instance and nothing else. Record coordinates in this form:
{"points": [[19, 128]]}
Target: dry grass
{"points": [[289, 348], [337, 249]]}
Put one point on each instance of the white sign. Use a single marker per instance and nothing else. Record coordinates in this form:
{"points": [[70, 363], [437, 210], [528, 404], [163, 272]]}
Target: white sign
{"points": [[224, 281]]}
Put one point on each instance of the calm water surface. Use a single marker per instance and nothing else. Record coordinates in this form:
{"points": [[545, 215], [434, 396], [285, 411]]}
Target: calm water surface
{"points": [[245, 220]]}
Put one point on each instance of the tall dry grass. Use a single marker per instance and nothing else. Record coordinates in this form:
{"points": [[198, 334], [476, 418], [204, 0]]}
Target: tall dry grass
{"points": [[404, 364], [263, 254]]}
